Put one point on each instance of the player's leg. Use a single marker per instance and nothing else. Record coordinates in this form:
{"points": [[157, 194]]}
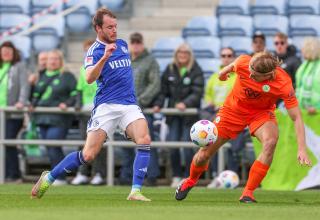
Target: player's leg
{"points": [[72, 161], [267, 134], [138, 131], [199, 165]]}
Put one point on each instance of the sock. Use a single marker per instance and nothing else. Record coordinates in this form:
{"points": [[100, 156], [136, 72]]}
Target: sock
{"points": [[196, 171], [257, 173], [140, 166], [69, 163]]}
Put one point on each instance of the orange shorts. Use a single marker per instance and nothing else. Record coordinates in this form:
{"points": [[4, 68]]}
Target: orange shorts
{"points": [[231, 122]]}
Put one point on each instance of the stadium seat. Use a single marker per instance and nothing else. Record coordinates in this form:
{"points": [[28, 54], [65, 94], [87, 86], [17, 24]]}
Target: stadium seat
{"points": [[9, 20], [113, 5], [235, 25], [298, 43], [165, 47], [303, 7], [269, 7], [80, 20], [48, 37], [209, 66], [163, 63], [16, 6], [270, 24], [240, 7], [39, 5], [201, 26], [241, 45], [304, 25], [204, 47], [23, 43]]}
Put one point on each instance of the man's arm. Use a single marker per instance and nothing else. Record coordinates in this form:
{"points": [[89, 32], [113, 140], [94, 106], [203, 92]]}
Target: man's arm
{"points": [[295, 115], [224, 73], [93, 73]]}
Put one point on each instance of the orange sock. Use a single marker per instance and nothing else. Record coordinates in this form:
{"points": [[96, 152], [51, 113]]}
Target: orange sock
{"points": [[196, 171], [257, 173]]}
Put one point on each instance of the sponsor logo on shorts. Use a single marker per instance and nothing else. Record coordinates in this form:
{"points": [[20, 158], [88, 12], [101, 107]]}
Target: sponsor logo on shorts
{"points": [[95, 123], [217, 120]]}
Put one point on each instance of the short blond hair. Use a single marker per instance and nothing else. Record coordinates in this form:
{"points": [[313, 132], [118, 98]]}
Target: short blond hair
{"points": [[311, 48], [264, 62]]}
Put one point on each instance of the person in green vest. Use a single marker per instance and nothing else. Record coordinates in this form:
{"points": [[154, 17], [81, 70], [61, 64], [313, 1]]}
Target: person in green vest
{"points": [[84, 101], [308, 76], [55, 88], [14, 91], [216, 92]]}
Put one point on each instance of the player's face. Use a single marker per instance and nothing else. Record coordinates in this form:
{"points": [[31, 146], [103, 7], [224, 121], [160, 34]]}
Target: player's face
{"points": [[6, 54], [108, 31], [53, 62]]}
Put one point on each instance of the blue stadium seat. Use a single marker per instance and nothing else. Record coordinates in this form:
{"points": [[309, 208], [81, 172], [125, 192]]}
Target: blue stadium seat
{"points": [[270, 24], [113, 5], [23, 43], [39, 5], [241, 45], [303, 7], [201, 26], [49, 36], [16, 6], [235, 25], [298, 43], [269, 7], [304, 25], [209, 66], [240, 7], [9, 20], [163, 63], [204, 47], [165, 47], [80, 20]]}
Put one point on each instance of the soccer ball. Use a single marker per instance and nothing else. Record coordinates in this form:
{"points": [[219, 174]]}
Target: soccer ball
{"points": [[203, 133], [227, 180]]}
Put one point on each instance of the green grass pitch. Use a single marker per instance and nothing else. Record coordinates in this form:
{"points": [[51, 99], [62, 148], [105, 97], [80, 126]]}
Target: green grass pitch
{"points": [[93, 203]]}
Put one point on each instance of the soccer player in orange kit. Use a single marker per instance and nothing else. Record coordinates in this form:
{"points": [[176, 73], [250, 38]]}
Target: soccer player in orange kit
{"points": [[260, 83]]}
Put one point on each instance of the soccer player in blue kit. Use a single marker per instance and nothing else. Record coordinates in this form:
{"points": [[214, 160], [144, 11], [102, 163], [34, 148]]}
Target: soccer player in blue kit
{"points": [[108, 63]]}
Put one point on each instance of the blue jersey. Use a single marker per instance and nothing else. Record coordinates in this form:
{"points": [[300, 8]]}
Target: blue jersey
{"points": [[115, 84]]}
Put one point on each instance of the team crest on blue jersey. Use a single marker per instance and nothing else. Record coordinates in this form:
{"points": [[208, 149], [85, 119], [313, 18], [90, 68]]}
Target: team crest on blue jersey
{"points": [[89, 61], [124, 49]]}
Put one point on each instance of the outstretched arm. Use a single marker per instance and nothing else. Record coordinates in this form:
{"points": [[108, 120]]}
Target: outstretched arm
{"points": [[295, 115], [224, 73], [93, 73]]}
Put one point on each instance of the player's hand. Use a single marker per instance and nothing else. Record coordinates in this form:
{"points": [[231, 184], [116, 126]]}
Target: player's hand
{"points": [[63, 106], [311, 111], [109, 50], [156, 109], [19, 105], [223, 76], [303, 158], [181, 106]]}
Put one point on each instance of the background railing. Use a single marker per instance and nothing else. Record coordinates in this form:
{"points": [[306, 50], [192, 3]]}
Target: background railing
{"points": [[110, 144]]}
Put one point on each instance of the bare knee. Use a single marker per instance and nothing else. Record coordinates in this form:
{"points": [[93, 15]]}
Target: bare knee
{"points": [[144, 139]]}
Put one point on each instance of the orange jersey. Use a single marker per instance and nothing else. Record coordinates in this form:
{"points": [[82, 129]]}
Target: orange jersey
{"points": [[249, 96]]}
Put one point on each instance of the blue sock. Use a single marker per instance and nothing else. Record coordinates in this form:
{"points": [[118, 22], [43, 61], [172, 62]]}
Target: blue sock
{"points": [[69, 163], [140, 165]]}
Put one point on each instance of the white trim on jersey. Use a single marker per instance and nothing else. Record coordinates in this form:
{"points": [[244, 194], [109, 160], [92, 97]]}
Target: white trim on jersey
{"points": [[91, 49]]}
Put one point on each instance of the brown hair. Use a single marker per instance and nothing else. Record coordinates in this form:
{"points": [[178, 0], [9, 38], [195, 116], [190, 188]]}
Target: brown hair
{"points": [[264, 62], [97, 19], [16, 54], [281, 35]]}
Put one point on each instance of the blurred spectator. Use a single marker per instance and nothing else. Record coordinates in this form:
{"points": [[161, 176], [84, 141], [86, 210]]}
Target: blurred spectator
{"points": [[147, 85], [14, 91], [84, 101], [215, 94], [54, 89], [258, 42], [182, 83], [287, 54], [308, 76], [41, 68]]}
